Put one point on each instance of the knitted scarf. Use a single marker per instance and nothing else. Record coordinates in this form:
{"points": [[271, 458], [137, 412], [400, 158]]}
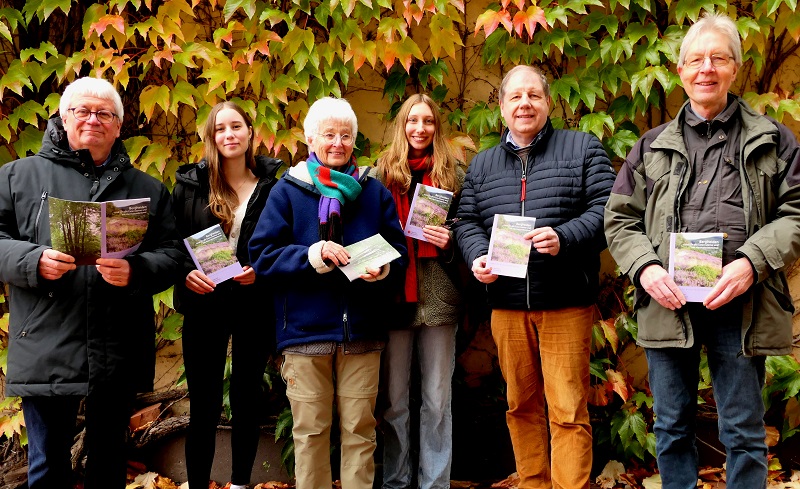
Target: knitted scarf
{"points": [[416, 248], [337, 188]]}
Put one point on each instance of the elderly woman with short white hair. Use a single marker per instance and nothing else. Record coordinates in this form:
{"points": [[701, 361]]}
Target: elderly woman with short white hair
{"points": [[329, 330]]}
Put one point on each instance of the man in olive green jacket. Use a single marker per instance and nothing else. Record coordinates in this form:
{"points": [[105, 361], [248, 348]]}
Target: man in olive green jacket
{"points": [[718, 167]]}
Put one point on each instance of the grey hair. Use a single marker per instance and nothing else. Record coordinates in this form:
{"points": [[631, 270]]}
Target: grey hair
{"points": [[91, 87], [719, 23], [533, 69], [329, 109]]}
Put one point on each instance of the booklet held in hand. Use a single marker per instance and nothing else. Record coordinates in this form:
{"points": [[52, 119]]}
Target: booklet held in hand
{"points": [[373, 252], [429, 207], [91, 230], [695, 263], [213, 255], [508, 250]]}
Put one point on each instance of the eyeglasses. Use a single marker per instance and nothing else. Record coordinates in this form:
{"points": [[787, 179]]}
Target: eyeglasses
{"points": [[84, 114], [331, 138], [717, 61]]}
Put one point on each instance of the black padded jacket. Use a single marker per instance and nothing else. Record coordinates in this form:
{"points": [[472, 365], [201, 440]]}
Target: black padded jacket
{"points": [[567, 181]]}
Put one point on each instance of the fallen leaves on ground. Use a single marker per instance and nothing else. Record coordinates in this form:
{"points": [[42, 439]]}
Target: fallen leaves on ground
{"points": [[151, 480]]}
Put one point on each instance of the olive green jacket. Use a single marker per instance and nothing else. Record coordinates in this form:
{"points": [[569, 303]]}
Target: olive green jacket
{"points": [[643, 210]]}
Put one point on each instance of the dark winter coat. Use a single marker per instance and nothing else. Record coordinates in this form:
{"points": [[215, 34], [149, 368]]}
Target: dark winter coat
{"points": [[568, 177], [70, 335], [192, 214], [312, 306]]}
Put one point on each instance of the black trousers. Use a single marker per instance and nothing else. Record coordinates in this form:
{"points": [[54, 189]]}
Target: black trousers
{"points": [[205, 345], [50, 423]]}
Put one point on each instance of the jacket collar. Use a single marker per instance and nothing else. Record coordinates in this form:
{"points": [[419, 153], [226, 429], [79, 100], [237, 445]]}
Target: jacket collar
{"points": [[540, 141], [55, 147], [196, 174], [757, 130]]}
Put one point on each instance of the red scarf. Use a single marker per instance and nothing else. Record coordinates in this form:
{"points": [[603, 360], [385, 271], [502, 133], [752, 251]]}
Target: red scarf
{"points": [[416, 248]]}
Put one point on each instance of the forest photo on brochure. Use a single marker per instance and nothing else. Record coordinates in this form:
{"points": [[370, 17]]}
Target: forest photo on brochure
{"points": [[91, 230]]}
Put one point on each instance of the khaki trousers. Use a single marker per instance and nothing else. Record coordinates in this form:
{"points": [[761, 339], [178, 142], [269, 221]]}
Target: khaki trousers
{"points": [[544, 356], [311, 383]]}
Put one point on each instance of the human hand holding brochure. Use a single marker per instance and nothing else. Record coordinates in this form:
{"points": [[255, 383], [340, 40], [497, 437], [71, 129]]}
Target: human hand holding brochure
{"points": [[91, 230], [213, 255], [695, 263], [429, 207], [373, 252], [508, 250]]}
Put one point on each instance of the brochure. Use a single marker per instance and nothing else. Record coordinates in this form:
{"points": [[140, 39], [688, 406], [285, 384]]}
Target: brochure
{"points": [[508, 250], [213, 255], [429, 207], [373, 252], [92, 230], [695, 263]]}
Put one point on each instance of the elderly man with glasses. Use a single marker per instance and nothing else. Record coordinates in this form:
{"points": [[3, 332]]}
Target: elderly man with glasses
{"points": [[719, 167], [80, 332]]}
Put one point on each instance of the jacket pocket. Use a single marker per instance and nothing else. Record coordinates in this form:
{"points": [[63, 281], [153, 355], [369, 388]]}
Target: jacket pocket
{"points": [[32, 317]]}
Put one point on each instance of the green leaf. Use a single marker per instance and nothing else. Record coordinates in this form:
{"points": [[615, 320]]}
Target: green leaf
{"points": [[284, 424], [231, 6], [171, 327], [135, 145], [15, 79], [482, 118], [395, 86], [489, 141], [435, 69], [39, 53], [619, 144], [595, 123], [44, 8], [635, 31], [564, 87], [13, 17], [692, 8], [221, 73], [598, 366], [151, 96], [439, 93], [29, 140], [28, 112]]}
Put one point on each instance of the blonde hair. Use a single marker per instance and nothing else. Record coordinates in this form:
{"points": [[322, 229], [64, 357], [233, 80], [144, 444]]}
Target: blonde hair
{"points": [[393, 165], [222, 198]]}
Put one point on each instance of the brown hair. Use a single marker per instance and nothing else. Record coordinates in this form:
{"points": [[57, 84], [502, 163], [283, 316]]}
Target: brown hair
{"points": [[222, 198], [393, 165]]}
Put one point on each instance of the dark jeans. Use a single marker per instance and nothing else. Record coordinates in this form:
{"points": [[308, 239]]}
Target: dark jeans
{"points": [[205, 347], [737, 381], [50, 423]]}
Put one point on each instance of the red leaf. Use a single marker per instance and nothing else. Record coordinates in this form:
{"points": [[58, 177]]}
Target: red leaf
{"points": [[105, 21], [490, 19]]}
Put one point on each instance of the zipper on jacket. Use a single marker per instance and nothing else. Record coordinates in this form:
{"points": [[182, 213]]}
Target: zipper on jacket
{"points": [[95, 186], [38, 215], [346, 327], [676, 216]]}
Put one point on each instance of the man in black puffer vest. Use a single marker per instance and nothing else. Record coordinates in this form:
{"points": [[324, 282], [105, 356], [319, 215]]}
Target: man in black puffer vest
{"points": [[541, 323]]}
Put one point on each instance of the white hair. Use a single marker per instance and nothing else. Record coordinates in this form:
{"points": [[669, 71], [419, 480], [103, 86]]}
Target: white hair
{"points": [[719, 23], [329, 109], [90, 87]]}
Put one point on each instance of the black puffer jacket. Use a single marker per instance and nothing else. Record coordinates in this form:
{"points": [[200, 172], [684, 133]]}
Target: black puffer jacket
{"points": [[68, 336], [568, 178], [190, 201]]}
